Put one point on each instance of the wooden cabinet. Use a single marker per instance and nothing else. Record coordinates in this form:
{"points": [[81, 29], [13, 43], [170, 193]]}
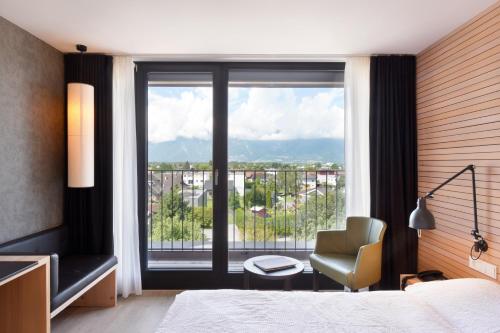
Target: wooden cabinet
{"points": [[25, 296]]}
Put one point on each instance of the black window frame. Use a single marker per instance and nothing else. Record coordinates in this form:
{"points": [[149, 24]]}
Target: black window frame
{"points": [[218, 276]]}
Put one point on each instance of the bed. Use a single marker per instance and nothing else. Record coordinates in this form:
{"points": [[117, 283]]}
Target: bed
{"points": [[459, 305]]}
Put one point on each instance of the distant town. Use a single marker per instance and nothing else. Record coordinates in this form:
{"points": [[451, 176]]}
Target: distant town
{"points": [[267, 201]]}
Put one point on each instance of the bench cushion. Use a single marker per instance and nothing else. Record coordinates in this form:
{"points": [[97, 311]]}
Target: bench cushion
{"points": [[78, 271]]}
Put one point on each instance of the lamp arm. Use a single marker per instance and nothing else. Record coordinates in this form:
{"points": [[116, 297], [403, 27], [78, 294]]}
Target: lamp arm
{"points": [[470, 168], [480, 244]]}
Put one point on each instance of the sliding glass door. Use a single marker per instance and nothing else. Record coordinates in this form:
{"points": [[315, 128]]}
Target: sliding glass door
{"points": [[235, 160], [286, 147], [178, 165], [180, 173]]}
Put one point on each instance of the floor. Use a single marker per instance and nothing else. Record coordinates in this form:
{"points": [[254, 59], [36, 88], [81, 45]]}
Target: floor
{"points": [[134, 314]]}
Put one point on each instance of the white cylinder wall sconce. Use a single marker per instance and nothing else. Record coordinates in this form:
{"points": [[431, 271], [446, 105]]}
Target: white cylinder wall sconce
{"points": [[80, 135]]}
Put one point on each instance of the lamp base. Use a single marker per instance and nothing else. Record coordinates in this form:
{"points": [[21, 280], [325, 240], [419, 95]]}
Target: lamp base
{"points": [[480, 245]]}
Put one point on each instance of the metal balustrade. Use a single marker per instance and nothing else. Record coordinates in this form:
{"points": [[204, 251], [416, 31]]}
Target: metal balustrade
{"points": [[268, 210]]}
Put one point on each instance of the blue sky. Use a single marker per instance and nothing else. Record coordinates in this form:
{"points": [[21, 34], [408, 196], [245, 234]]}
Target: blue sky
{"points": [[254, 113]]}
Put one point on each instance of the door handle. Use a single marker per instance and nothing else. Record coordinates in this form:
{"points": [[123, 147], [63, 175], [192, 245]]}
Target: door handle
{"points": [[216, 177]]}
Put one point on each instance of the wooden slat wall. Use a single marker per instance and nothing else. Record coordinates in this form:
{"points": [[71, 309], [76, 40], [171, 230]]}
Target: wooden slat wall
{"points": [[458, 119]]}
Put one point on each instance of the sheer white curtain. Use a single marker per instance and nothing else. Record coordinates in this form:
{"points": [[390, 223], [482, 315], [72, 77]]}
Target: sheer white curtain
{"points": [[125, 218], [357, 140]]}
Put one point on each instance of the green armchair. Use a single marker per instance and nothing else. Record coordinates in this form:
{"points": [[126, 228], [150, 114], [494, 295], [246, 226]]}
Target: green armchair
{"points": [[352, 257]]}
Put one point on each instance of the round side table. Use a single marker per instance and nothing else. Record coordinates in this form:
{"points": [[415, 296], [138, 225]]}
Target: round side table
{"points": [[286, 274]]}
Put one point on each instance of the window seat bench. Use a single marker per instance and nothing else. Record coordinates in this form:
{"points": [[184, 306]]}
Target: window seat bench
{"points": [[77, 280]]}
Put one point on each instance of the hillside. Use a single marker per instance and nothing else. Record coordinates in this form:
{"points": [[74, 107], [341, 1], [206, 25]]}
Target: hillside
{"points": [[292, 151]]}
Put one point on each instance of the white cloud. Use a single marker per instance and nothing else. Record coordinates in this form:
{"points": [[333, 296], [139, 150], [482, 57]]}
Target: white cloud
{"points": [[187, 115], [255, 114], [279, 114]]}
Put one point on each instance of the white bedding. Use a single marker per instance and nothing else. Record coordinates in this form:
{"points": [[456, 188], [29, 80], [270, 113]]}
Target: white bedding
{"points": [[462, 305]]}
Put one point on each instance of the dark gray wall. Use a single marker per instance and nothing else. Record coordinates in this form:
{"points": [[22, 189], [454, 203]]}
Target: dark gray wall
{"points": [[31, 133]]}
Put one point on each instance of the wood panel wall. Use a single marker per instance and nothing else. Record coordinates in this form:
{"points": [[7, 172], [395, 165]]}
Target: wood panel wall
{"points": [[458, 120]]}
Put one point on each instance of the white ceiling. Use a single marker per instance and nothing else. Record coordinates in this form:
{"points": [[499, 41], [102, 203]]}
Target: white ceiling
{"points": [[287, 28]]}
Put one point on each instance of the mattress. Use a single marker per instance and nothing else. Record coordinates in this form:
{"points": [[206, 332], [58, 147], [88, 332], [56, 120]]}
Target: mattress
{"points": [[460, 305]]}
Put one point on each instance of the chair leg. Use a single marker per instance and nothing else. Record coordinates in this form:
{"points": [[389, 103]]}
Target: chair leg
{"points": [[315, 280]]}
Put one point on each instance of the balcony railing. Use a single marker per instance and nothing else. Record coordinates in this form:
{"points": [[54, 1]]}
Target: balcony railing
{"points": [[268, 210]]}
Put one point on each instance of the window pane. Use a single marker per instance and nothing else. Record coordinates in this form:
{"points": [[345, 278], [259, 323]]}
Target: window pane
{"points": [[179, 170], [286, 161]]}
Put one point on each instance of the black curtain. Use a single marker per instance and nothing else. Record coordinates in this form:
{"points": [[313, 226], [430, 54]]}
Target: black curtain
{"points": [[88, 211], [393, 161]]}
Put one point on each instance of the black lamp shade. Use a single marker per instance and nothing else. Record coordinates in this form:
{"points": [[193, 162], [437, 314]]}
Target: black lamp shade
{"points": [[421, 217]]}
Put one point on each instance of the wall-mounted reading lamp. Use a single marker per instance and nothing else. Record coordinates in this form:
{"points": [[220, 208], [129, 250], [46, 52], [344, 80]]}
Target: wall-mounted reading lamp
{"points": [[422, 218], [80, 131]]}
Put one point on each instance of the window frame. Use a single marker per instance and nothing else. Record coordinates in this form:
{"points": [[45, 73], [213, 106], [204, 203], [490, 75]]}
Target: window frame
{"points": [[218, 276]]}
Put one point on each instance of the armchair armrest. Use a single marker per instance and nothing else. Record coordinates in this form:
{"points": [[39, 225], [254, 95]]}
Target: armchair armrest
{"points": [[368, 267], [330, 241]]}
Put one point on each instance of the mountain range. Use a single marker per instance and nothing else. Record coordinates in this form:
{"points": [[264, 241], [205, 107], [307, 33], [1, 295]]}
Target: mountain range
{"points": [[290, 151]]}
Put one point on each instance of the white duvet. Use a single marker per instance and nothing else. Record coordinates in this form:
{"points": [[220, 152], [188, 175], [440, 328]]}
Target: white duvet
{"points": [[460, 305]]}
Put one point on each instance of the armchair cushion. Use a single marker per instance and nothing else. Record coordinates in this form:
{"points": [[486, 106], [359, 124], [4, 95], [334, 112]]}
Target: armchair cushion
{"points": [[338, 267]]}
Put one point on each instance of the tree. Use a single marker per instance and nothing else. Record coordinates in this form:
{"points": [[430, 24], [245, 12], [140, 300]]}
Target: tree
{"points": [[175, 219], [203, 217], [269, 198], [289, 182], [234, 201], [255, 196], [174, 205]]}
